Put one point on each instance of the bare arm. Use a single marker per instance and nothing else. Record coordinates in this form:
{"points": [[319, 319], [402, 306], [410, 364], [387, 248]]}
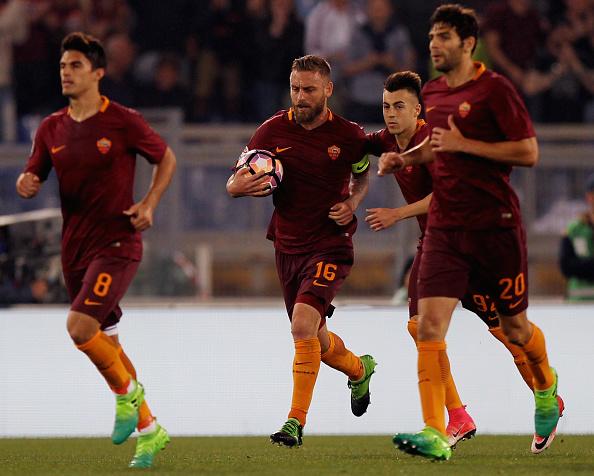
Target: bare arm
{"points": [[390, 162], [382, 218], [523, 152], [141, 213], [342, 213]]}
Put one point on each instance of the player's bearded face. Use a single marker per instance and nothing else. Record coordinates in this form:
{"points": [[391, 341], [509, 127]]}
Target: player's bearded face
{"points": [[446, 47], [309, 95]]}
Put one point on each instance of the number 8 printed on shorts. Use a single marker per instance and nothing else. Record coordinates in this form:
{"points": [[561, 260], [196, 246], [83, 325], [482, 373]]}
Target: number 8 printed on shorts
{"points": [[102, 284]]}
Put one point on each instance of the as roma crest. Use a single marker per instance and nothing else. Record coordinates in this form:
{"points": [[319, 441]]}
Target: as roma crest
{"points": [[464, 109], [334, 152], [104, 145]]}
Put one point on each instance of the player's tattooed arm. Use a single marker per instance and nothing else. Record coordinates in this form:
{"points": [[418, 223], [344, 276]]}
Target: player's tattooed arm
{"points": [[243, 184], [342, 213], [382, 218], [28, 185], [522, 152], [141, 213]]}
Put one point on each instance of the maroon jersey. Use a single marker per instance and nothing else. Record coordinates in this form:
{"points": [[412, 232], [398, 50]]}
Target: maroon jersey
{"points": [[470, 192], [317, 169], [95, 161], [415, 180]]}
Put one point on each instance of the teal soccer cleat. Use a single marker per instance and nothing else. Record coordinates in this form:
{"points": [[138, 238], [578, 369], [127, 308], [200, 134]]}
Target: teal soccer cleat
{"points": [[147, 446], [429, 443], [126, 417]]}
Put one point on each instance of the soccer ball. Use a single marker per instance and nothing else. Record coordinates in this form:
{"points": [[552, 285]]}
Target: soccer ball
{"points": [[256, 160]]}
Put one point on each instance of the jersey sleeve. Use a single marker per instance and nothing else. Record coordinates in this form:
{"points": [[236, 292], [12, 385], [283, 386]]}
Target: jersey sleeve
{"points": [[143, 138], [510, 112], [374, 143], [40, 161], [262, 138]]}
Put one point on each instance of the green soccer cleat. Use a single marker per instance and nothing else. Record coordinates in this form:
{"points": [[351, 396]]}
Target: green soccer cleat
{"points": [[546, 415], [360, 389], [147, 446], [291, 434], [127, 414], [429, 443]]}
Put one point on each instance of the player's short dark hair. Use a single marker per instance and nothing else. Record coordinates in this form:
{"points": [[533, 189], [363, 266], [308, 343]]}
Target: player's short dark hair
{"points": [[88, 45], [313, 63], [408, 80], [461, 18]]}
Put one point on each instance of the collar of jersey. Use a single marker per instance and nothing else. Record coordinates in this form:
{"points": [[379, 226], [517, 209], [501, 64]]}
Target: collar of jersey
{"points": [[104, 104]]}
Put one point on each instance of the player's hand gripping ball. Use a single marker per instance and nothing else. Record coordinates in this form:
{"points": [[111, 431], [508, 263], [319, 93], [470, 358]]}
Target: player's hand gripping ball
{"points": [[257, 160]]}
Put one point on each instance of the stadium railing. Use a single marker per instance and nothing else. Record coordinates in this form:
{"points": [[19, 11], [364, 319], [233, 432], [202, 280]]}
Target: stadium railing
{"points": [[206, 244]]}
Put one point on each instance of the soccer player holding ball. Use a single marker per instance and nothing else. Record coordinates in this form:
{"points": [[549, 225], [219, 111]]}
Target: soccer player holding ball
{"points": [[479, 129], [92, 145], [325, 179]]}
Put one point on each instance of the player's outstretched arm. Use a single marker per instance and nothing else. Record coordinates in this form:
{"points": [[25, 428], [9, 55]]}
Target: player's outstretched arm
{"points": [[342, 213], [243, 184], [390, 162], [382, 218], [141, 213], [28, 185], [523, 153]]}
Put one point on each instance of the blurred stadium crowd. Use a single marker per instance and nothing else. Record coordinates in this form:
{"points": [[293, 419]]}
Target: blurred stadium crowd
{"points": [[227, 60]]}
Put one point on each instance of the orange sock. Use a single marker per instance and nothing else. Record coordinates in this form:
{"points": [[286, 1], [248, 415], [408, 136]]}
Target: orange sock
{"points": [[536, 352], [412, 329], [452, 398], [306, 365], [517, 353], [433, 371], [340, 358], [104, 354], [145, 417]]}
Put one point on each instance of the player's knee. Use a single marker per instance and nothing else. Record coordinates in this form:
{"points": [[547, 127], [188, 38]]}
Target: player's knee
{"points": [[517, 335], [81, 327]]}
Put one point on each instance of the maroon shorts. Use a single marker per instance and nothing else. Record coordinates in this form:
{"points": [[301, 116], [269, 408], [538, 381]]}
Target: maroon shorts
{"points": [[97, 290], [313, 278], [491, 265]]}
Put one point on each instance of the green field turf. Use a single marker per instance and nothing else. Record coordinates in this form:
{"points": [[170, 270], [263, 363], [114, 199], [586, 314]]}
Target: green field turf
{"points": [[320, 455]]}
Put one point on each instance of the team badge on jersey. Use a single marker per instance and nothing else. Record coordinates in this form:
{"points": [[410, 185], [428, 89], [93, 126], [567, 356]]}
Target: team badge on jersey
{"points": [[334, 152], [464, 109], [104, 145]]}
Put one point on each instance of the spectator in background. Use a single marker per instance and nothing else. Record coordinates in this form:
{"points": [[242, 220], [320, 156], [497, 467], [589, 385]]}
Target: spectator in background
{"points": [[378, 47], [102, 18], [35, 80], [580, 61], [219, 36], [329, 30], [119, 84], [13, 29], [571, 41], [276, 39], [166, 89], [577, 252], [514, 32]]}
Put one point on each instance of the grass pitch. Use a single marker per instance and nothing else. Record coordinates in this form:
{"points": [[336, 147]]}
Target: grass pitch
{"points": [[320, 455]]}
